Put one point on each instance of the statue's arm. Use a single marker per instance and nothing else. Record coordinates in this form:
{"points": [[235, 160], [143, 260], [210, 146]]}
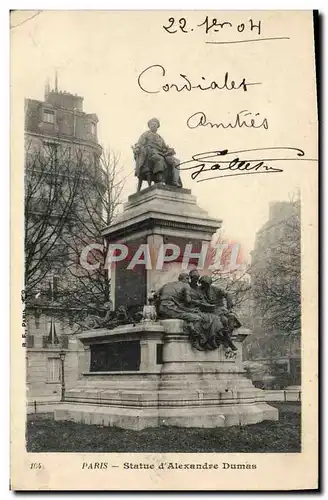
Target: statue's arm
{"points": [[196, 302], [187, 295], [201, 303], [219, 292], [142, 140], [168, 150]]}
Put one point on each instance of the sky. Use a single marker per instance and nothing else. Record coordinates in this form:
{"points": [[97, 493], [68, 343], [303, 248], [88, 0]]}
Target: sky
{"points": [[100, 55]]}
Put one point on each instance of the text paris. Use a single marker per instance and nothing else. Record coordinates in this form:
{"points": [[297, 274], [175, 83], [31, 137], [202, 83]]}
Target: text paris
{"points": [[152, 81]]}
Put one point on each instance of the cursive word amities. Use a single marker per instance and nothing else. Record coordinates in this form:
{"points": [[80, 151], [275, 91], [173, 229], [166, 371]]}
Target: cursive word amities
{"points": [[157, 72], [242, 119]]}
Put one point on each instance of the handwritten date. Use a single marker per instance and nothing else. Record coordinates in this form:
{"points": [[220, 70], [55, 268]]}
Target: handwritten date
{"points": [[213, 25]]}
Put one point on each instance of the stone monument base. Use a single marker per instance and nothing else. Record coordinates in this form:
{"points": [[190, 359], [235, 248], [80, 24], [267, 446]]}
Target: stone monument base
{"points": [[189, 388]]}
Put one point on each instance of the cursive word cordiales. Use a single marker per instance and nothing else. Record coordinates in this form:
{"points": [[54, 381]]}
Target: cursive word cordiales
{"points": [[243, 119], [243, 162], [147, 84]]}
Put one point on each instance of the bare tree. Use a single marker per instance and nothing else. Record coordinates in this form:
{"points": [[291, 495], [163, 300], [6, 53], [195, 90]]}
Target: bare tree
{"points": [[238, 286], [69, 199], [97, 204], [232, 274], [51, 186]]}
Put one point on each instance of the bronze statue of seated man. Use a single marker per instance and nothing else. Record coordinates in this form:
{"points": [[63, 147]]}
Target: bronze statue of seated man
{"points": [[155, 160]]}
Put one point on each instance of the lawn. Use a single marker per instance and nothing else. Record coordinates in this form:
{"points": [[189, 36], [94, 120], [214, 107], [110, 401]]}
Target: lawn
{"points": [[47, 435]]}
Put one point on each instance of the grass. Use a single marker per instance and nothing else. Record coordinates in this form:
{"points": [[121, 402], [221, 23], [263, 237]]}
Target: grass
{"points": [[283, 436]]}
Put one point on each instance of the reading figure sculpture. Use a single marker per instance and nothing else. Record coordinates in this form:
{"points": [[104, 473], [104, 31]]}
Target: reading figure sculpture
{"points": [[155, 160], [209, 322]]}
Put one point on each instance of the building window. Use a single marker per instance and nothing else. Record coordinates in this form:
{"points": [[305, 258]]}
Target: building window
{"points": [[37, 318], [93, 129], [49, 116], [159, 354], [64, 341], [30, 341], [27, 365], [53, 370]]}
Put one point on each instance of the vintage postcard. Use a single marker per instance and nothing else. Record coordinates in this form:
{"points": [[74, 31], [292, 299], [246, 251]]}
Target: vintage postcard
{"points": [[164, 187]]}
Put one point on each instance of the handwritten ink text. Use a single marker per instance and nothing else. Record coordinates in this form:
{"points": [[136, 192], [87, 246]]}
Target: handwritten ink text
{"points": [[232, 163], [185, 84], [213, 25], [243, 119]]}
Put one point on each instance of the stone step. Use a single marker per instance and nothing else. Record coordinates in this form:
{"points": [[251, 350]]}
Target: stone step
{"points": [[131, 418]]}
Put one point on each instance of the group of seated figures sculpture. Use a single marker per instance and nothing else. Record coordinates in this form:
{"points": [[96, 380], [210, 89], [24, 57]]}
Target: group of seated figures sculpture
{"points": [[207, 311], [155, 161]]}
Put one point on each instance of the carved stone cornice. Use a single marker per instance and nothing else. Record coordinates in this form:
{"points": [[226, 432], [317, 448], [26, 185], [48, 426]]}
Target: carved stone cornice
{"points": [[152, 222]]}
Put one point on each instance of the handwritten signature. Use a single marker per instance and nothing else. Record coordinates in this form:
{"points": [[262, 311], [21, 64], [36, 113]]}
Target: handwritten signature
{"points": [[231, 165]]}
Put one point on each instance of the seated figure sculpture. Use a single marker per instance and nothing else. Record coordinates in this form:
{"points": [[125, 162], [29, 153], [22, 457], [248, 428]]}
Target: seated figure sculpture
{"points": [[183, 299], [155, 160], [173, 300], [214, 321], [217, 296]]}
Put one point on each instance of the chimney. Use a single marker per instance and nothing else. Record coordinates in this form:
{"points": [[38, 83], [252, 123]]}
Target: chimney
{"points": [[46, 90]]}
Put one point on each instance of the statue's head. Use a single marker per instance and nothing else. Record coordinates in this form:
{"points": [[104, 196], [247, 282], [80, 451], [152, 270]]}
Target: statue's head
{"points": [[205, 281], [183, 277], [153, 124], [194, 275]]}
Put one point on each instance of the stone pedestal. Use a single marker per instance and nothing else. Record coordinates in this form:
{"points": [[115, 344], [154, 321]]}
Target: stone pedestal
{"points": [[154, 217], [189, 389]]}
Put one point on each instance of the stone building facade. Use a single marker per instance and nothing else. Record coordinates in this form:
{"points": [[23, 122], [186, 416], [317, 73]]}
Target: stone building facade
{"points": [[58, 124]]}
